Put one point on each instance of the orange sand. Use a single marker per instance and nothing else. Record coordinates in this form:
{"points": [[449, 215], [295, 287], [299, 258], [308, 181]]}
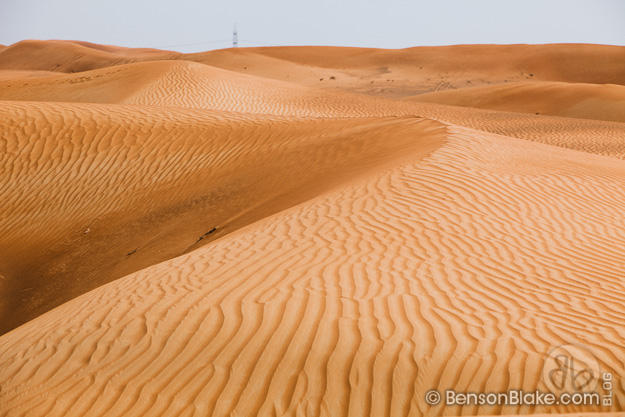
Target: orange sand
{"points": [[217, 234], [587, 101]]}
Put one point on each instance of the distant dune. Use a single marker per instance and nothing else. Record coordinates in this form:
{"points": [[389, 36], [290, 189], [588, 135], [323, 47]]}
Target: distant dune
{"points": [[64, 56], [120, 50], [191, 85], [587, 101], [406, 72], [388, 73], [266, 232]]}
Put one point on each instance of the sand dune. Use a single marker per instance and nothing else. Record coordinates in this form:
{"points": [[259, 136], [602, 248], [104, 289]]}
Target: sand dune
{"points": [[450, 272], [587, 101], [15, 74], [406, 72], [120, 50], [594, 136], [225, 234], [388, 73], [63, 56], [77, 177], [192, 85]]}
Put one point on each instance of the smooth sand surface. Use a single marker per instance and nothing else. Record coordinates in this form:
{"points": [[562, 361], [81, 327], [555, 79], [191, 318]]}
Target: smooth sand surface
{"points": [[405, 72], [12, 74], [587, 101], [182, 239], [64, 56]]}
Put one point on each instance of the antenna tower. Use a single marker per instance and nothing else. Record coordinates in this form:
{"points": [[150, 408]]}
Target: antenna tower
{"points": [[235, 37]]}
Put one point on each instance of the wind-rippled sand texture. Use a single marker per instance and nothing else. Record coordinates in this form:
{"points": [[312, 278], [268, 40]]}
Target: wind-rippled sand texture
{"points": [[236, 239], [93, 192], [459, 271], [193, 85]]}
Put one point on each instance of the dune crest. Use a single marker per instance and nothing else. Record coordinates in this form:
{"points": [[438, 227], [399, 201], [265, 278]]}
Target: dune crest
{"points": [[76, 194], [272, 232], [192, 85], [388, 73], [428, 275]]}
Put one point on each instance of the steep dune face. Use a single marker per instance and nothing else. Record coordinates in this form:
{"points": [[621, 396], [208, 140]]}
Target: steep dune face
{"points": [[461, 271], [92, 193], [587, 101]]}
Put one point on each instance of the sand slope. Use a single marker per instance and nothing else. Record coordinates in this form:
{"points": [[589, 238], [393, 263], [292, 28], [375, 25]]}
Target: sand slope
{"points": [[587, 101], [244, 239], [405, 72], [455, 271], [126, 187], [12, 74], [388, 73], [119, 238], [594, 136], [64, 56], [192, 85]]}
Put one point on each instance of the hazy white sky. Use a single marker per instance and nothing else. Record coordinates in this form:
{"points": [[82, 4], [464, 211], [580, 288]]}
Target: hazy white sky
{"points": [[175, 24]]}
